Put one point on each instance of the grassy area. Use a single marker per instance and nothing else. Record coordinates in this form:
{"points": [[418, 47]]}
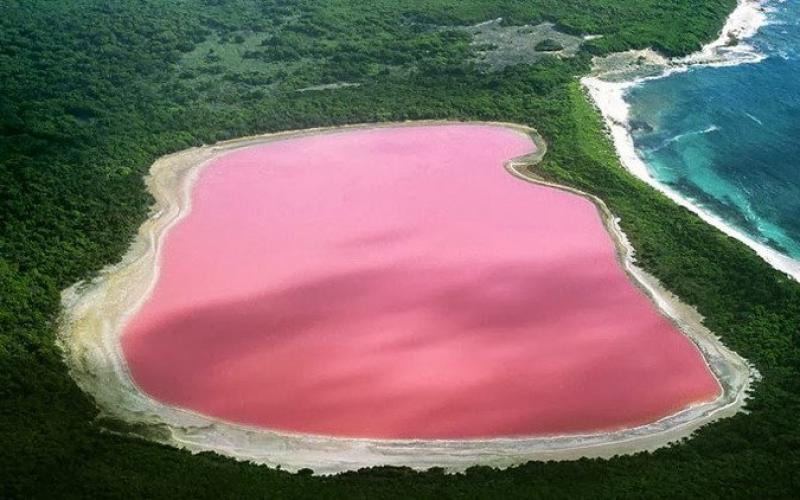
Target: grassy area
{"points": [[498, 46], [92, 92]]}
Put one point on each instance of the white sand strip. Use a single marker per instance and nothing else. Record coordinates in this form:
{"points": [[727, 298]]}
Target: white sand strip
{"points": [[609, 97], [95, 315]]}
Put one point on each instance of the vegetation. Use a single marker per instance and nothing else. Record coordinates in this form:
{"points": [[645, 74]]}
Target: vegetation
{"points": [[91, 92], [549, 45]]}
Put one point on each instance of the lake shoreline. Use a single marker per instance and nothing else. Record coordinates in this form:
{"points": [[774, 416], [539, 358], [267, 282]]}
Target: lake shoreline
{"points": [[95, 313]]}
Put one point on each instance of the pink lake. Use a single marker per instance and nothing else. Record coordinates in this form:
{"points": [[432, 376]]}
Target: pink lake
{"points": [[400, 283]]}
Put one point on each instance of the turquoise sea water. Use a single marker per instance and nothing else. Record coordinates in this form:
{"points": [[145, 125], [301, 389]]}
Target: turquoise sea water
{"points": [[728, 138]]}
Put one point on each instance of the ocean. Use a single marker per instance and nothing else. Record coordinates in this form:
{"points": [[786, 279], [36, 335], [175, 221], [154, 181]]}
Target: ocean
{"points": [[727, 137]]}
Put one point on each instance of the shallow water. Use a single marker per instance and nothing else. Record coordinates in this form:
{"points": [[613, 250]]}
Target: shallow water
{"points": [[728, 137], [399, 283]]}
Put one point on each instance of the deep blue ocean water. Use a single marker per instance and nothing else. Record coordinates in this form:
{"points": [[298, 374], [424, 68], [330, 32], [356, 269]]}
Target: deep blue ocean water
{"points": [[728, 138]]}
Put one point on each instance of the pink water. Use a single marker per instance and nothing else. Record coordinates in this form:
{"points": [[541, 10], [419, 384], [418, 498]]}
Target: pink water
{"points": [[399, 283]]}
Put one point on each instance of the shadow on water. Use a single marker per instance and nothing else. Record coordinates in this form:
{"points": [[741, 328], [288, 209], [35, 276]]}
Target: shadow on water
{"points": [[339, 349]]}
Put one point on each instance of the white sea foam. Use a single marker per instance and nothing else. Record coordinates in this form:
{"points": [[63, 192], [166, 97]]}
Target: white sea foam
{"points": [[753, 118], [609, 97], [743, 23], [680, 137]]}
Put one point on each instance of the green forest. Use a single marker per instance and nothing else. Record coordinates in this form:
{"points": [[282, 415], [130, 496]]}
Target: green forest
{"points": [[92, 92]]}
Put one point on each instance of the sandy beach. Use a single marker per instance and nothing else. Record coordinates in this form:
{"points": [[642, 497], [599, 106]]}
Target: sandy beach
{"points": [[607, 88], [95, 314]]}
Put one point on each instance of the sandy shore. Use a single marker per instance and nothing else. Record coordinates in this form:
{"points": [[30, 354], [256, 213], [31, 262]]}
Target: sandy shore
{"points": [[615, 75], [95, 314]]}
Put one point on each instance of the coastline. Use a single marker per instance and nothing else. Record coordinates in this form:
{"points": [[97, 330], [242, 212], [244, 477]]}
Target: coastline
{"points": [[95, 313], [607, 89]]}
